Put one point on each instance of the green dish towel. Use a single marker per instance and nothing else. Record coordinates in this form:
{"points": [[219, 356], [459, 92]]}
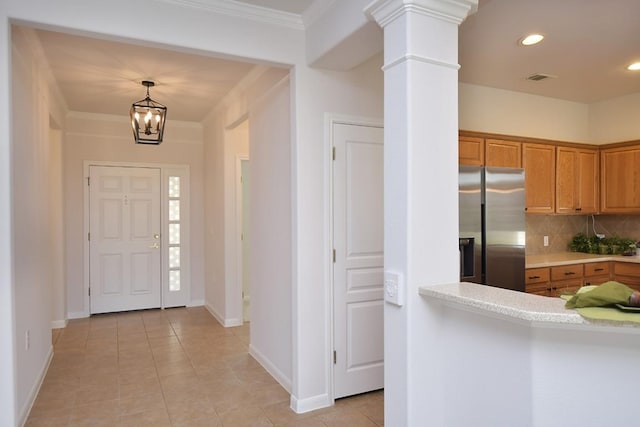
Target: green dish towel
{"points": [[598, 302], [608, 293]]}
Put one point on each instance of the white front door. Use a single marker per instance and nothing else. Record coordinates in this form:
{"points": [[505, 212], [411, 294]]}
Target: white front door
{"points": [[124, 239], [358, 269]]}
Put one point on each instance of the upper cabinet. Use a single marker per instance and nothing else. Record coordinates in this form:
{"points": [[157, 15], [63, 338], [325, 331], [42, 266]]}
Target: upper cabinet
{"points": [[539, 162], [620, 182], [498, 152], [471, 151], [576, 180]]}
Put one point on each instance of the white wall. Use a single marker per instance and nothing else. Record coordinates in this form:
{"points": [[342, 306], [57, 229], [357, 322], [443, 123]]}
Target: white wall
{"points": [[57, 244], [485, 109], [108, 138], [35, 227], [615, 120], [270, 259], [215, 290], [359, 93]]}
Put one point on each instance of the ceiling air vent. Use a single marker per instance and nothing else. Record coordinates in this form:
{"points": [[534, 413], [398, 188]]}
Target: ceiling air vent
{"points": [[540, 76]]}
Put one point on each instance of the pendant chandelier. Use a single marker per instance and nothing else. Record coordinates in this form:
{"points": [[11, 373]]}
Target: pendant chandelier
{"points": [[147, 119]]}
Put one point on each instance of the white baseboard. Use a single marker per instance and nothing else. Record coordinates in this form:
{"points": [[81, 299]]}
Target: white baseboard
{"points": [[227, 323], [300, 406], [31, 398], [77, 315], [196, 303], [270, 368], [58, 324]]}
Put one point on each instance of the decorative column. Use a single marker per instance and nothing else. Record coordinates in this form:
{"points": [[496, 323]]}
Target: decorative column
{"points": [[421, 194]]}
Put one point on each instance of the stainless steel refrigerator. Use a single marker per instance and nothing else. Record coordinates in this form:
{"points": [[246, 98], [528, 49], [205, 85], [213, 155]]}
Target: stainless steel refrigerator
{"points": [[492, 226]]}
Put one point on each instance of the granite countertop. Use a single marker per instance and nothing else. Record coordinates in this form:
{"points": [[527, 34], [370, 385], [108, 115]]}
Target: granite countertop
{"points": [[519, 306], [564, 258]]}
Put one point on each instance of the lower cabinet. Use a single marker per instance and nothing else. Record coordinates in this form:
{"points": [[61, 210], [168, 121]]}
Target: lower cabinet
{"points": [[596, 273], [554, 281], [627, 273], [557, 280]]}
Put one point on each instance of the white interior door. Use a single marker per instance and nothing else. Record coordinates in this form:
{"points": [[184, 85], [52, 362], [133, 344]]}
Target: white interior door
{"points": [[358, 268], [124, 227]]}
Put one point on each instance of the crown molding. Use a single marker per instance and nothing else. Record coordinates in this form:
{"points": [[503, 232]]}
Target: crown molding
{"points": [[455, 11], [246, 11]]}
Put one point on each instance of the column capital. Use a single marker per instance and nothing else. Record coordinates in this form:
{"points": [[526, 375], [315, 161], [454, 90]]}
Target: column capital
{"points": [[456, 11]]}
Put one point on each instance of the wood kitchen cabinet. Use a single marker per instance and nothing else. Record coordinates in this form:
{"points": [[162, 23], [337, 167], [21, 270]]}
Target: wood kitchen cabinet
{"points": [[620, 182], [576, 180], [539, 162], [537, 281], [498, 152], [566, 278], [596, 273], [627, 273], [554, 281], [471, 150]]}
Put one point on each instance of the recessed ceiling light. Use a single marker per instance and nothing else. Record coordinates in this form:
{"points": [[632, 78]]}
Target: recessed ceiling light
{"points": [[634, 67], [531, 39]]}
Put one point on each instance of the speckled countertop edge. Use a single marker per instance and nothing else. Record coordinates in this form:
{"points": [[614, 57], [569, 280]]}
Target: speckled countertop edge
{"points": [[516, 305], [565, 258]]}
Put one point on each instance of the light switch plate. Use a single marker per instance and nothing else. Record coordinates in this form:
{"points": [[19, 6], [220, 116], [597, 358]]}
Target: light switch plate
{"points": [[393, 288]]}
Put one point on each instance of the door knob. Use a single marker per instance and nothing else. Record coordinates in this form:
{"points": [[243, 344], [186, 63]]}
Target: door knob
{"points": [[156, 236], [154, 246]]}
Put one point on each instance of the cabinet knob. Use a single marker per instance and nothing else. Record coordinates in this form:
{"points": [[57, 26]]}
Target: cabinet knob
{"points": [[598, 269], [578, 209], [533, 277], [569, 273]]}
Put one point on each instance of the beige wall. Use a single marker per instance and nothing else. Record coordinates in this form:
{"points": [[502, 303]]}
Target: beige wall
{"points": [[109, 139], [36, 229], [485, 109], [615, 120]]}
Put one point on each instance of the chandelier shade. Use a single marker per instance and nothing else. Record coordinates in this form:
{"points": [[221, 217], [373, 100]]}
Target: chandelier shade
{"points": [[147, 119]]}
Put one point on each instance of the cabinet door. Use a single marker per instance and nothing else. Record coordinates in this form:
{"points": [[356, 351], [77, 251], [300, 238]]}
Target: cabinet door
{"points": [[576, 180], [627, 273], [537, 281], [539, 161], [597, 269], [620, 183], [502, 153], [565, 287], [471, 151]]}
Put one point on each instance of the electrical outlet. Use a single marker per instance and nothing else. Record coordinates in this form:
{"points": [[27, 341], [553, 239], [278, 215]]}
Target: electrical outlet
{"points": [[600, 236], [546, 240], [27, 340]]}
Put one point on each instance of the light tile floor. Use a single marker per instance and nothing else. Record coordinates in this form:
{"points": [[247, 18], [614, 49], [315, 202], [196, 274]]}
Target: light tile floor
{"points": [[174, 367]]}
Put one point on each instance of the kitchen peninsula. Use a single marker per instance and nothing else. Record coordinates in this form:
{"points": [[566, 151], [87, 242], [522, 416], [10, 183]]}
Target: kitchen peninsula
{"points": [[537, 363]]}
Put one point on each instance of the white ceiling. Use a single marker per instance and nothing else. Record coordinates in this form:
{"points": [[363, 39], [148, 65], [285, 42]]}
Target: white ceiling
{"points": [[588, 45]]}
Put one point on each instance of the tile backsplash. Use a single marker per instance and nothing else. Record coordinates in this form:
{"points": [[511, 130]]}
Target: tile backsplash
{"points": [[562, 228]]}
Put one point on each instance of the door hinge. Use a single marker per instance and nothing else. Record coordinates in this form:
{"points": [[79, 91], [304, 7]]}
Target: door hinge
{"points": [[88, 180], [89, 236], [334, 357], [242, 236], [89, 291], [334, 255], [333, 153]]}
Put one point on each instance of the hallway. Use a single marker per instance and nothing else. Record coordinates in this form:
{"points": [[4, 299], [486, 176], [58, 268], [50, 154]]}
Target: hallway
{"points": [[176, 367]]}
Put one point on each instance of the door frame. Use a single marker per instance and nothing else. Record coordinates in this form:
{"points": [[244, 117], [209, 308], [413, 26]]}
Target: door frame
{"points": [[330, 120], [165, 169], [239, 190]]}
